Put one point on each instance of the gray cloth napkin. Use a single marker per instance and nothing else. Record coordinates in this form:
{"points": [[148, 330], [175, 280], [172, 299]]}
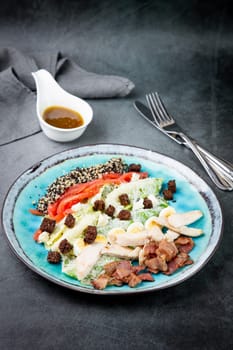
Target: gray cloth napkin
{"points": [[18, 92]]}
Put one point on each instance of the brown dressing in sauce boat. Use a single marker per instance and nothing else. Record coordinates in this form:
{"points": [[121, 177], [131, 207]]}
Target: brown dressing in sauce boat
{"points": [[62, 117]]}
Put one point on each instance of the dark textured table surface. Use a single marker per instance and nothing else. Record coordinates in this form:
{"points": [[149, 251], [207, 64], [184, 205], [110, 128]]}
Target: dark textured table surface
{"points": [[184, 50]]}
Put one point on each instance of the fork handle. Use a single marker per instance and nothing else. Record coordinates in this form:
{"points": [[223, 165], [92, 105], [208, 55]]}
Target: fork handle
{"points": [[224, 165], [224, 168], [211, 171]]}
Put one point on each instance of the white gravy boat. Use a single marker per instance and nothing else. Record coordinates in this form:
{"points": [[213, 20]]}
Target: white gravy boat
{"points": [[50, 94]]}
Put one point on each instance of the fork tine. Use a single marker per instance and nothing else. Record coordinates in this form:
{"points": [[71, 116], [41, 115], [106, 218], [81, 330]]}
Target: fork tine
{"points": [[158, 109], [160, 113], [156, 116], [163, 108]]}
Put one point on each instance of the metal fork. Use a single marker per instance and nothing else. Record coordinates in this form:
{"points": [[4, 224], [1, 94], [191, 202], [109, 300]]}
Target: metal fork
{"points": [[221, 172]]}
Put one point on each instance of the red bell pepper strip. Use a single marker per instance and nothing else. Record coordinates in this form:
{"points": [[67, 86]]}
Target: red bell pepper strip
{"points": [[37, 234], [36, 212]]}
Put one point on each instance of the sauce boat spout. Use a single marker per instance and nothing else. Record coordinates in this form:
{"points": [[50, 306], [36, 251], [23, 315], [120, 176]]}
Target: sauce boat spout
{"points": [[48, 90]]}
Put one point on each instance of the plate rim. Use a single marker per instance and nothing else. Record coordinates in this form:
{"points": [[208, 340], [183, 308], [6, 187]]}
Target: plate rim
{"points": [[84, 289]]}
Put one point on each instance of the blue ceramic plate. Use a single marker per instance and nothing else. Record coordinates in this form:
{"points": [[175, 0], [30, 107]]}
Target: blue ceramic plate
{"points": [[192, 193]]}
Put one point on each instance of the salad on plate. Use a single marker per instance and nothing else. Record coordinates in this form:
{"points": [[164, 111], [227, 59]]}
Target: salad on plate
{"points": [[112, 224]]}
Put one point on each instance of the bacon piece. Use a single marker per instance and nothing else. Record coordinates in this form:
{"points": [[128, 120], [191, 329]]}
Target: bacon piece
{"points": [[134, 280], [124, 269], [180, 260], [147, 252], [138, 268], [110, 268], [115, 282], [146, 276], [182, 240], [168, 249], [101, 282], [149, 249], [184, 244], [157, 264]]}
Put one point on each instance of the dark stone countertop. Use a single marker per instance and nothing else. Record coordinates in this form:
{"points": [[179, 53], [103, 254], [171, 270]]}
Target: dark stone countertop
{"points": [[184, 50]]}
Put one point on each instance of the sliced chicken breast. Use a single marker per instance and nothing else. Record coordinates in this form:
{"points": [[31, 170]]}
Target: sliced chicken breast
{"points": [[87, 259], [132, 239], [121, 252]]}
